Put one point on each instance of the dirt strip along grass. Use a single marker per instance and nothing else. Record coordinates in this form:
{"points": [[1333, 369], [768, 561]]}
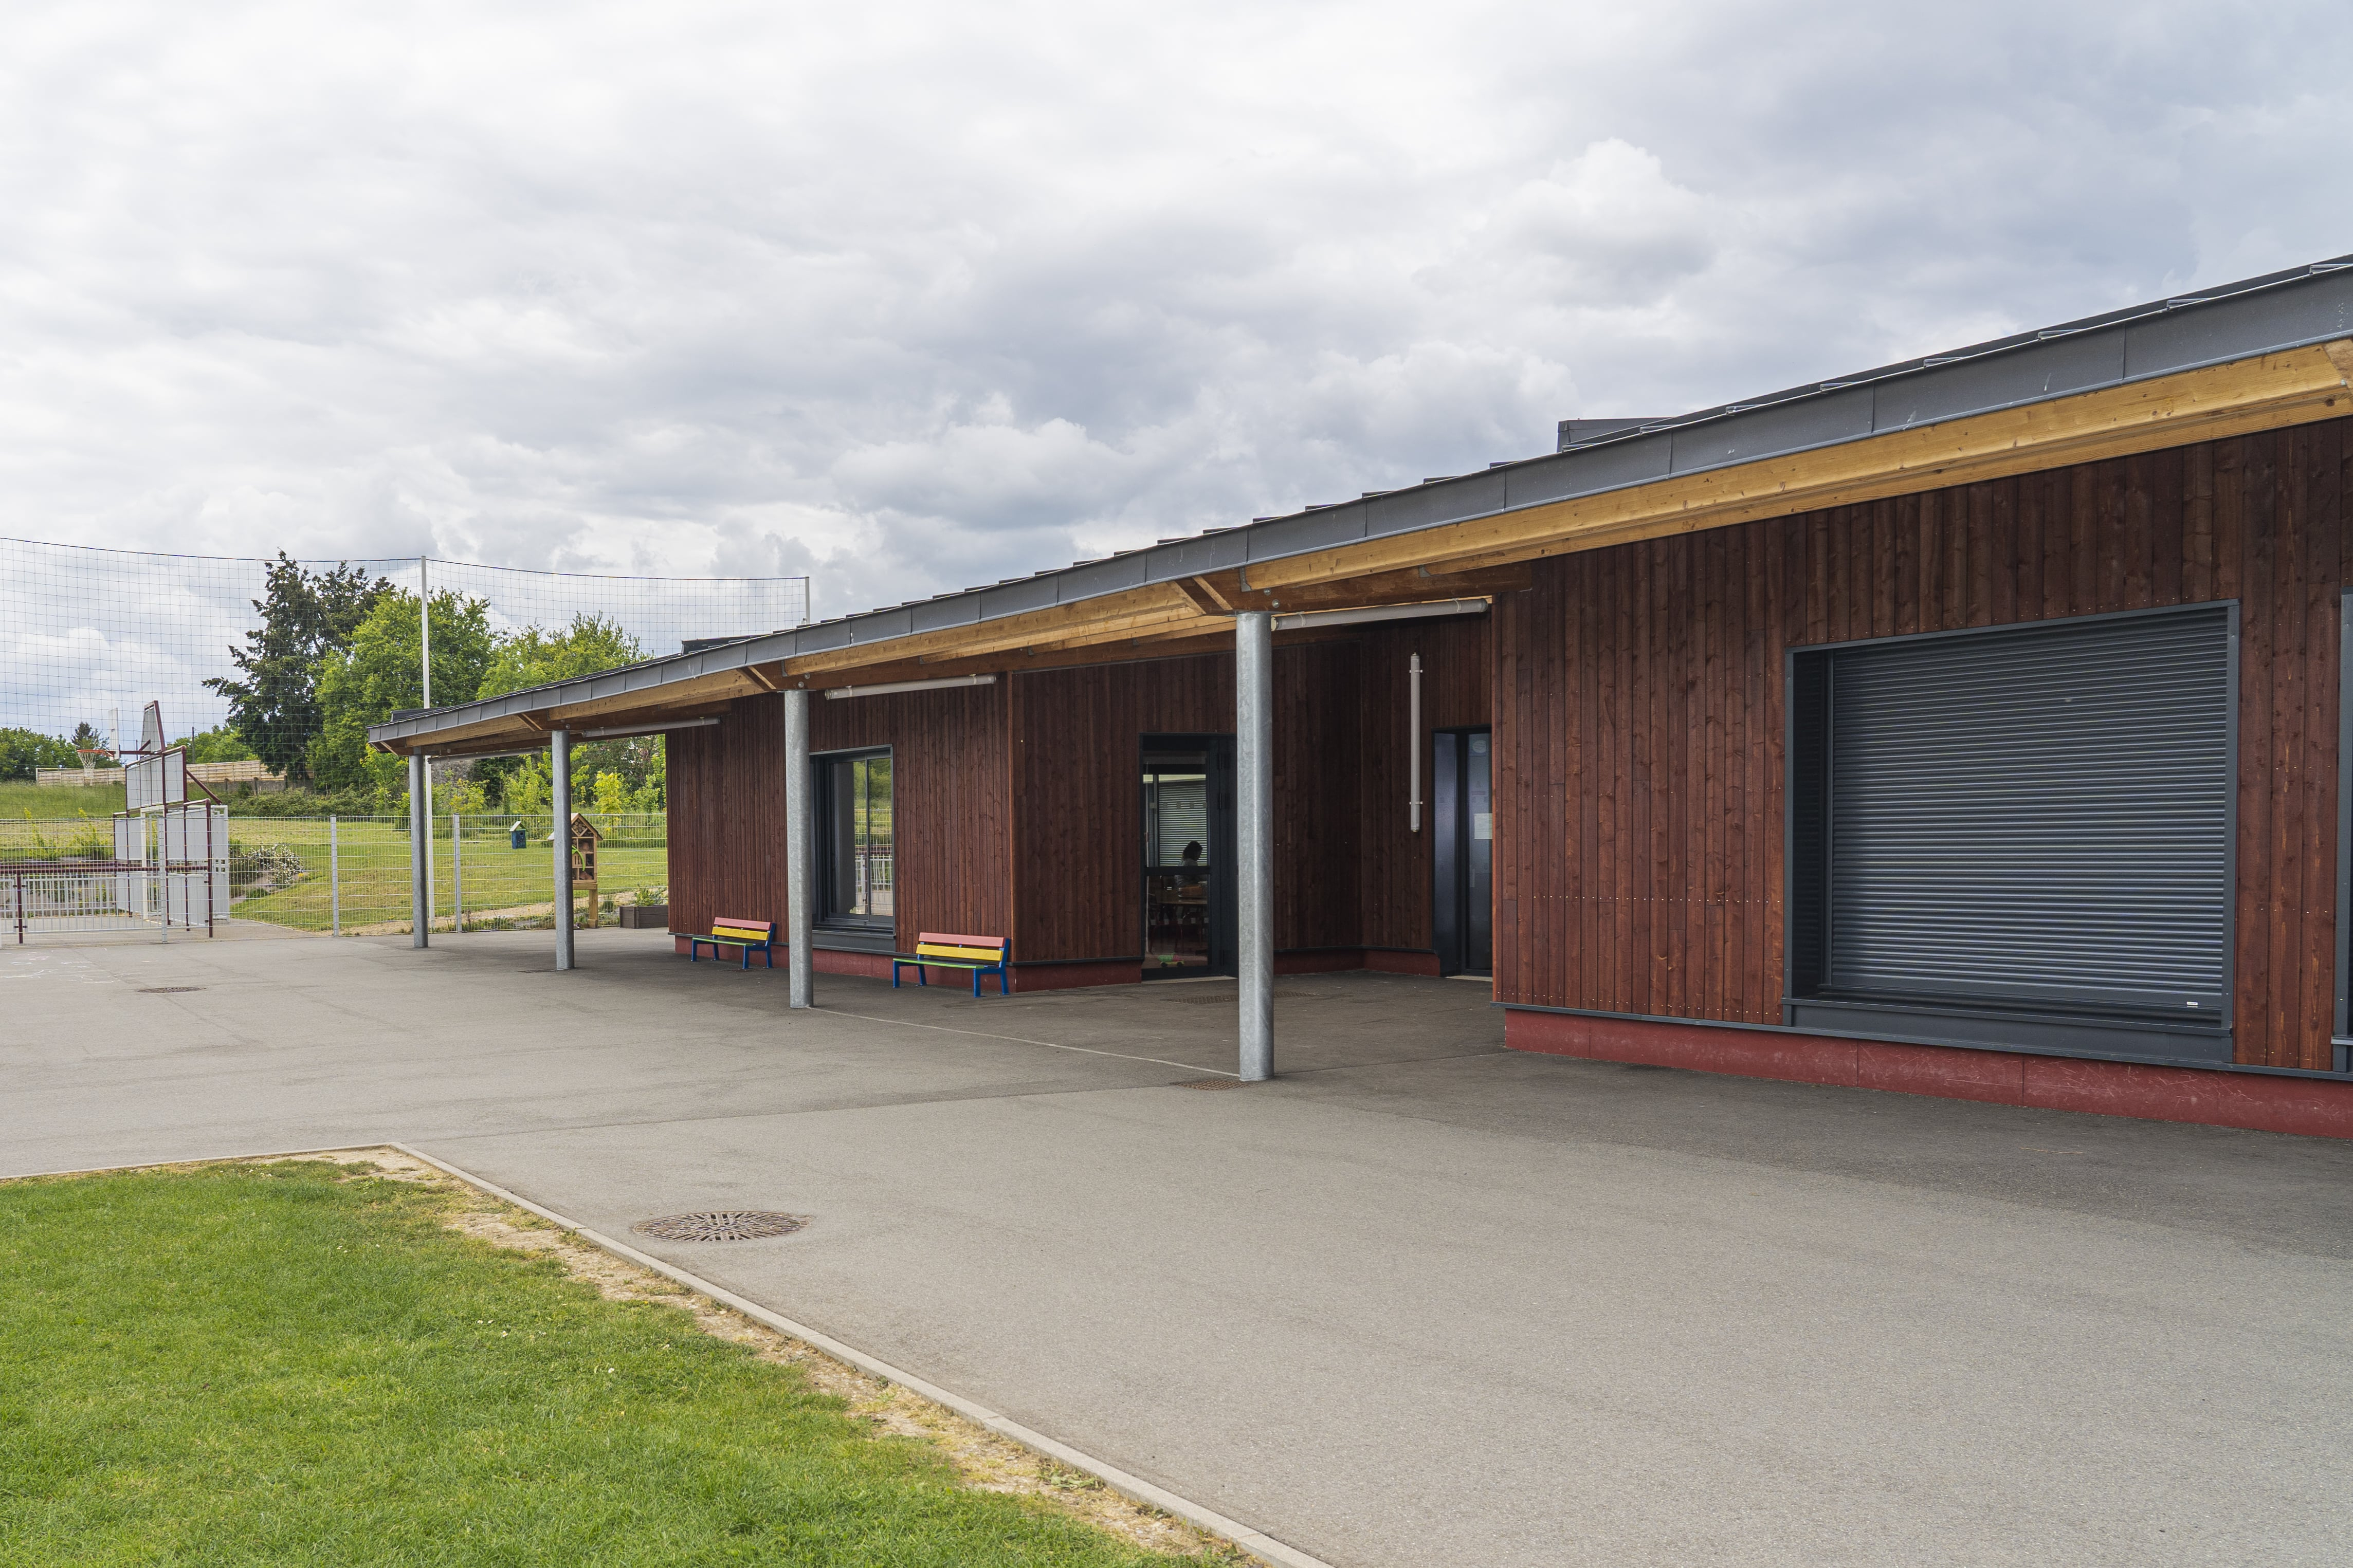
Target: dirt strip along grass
{"points": [[364, 1362]]}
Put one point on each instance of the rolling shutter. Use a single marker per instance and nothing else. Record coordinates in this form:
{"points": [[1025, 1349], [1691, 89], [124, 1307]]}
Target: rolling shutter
{"points": [[2037, 818]]}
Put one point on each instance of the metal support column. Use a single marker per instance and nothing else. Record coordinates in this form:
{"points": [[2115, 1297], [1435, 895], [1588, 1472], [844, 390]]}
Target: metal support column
{"points": [[421, 826], [798, 887], [559, 752], [334, 882], [1254, 833]]}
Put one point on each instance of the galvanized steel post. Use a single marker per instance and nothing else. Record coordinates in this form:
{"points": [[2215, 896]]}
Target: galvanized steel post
{"points": [[457, 875], [797, 887], [334, 882], [559, 751], [1254, 833], [419, 826]]}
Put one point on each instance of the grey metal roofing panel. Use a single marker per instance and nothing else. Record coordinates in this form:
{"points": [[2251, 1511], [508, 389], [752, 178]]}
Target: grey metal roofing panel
{"points": [[1303, 531], [1795, 426], [879, 626], [2074, 363], [939, 615], [1015, 598], [1428, 505], [2279, 311], [2206, 333], [1631, 461], [1098, 577]]}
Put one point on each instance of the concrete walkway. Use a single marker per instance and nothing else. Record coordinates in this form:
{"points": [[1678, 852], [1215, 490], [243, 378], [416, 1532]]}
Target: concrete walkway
{"points": [[1419, 1300]]}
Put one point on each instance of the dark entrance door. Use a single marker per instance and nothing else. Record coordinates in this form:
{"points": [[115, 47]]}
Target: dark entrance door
{"points": [[1462, 814], [1189, 891]]}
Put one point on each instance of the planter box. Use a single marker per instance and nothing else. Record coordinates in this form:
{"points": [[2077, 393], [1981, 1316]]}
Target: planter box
{"points": [[645, 917]]}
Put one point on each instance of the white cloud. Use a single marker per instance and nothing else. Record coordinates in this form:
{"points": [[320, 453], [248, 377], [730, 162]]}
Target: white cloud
{"points": [[923, 296]]}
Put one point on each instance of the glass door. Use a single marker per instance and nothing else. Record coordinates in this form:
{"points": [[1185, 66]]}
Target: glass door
{"points": [[1462, 813], [1187, 813]]}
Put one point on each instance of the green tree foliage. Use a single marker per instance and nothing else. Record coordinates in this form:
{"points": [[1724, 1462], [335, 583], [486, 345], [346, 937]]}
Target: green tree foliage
{"points": [[528, 657], [222, 746], [381, 672], [22, 750], [306, 617], [589, 646]]}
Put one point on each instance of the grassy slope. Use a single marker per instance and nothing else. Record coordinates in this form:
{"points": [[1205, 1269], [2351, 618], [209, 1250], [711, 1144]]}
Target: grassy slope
{"points": [[243, 1364]]}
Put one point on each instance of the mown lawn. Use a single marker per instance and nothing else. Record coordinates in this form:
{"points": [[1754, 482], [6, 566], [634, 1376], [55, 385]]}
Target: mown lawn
{"points": [[372, 864], [295, 1364]]}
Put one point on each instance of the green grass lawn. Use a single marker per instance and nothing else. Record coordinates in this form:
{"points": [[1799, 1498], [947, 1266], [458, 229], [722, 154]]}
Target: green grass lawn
{"points": [[296, 1364], [372, 854]]}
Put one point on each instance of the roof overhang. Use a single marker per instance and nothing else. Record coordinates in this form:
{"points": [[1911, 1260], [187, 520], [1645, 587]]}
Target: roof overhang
{"points": [[2270, 352]]}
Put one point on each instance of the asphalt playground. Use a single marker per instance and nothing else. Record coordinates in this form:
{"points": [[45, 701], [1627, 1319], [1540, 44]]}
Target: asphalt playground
{"points": [[1419, 1300]]}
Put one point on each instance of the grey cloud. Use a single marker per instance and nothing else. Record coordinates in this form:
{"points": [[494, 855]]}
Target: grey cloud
{"points": [[929, 296]]}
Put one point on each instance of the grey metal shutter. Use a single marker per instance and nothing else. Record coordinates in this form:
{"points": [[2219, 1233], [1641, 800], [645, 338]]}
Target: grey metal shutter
{"points": [[2036, 817]]}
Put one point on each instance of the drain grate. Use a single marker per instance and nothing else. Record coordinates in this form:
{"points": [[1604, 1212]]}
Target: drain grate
{"points": [[1209, 1083], [166, 990], [723, 1224]]}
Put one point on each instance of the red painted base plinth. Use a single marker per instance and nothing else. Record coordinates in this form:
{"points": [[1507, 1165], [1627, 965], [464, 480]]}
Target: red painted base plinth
{"points": [[2317, 1108]]}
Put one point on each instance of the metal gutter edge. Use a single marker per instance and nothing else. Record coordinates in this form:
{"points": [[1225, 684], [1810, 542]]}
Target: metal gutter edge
{"points": [[1129, 1486]]}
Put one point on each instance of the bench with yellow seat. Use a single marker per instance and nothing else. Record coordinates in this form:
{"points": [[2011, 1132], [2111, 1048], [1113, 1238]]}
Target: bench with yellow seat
{"points": [[946, 950], [752, 936]]}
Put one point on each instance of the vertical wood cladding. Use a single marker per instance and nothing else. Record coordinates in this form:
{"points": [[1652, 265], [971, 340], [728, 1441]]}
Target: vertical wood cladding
{"points": [[949, 807], [1639, 711], [1392, 874]]}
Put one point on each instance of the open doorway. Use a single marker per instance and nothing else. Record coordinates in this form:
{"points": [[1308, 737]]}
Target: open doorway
{"points": [[1187, 818], [1462, 813]]}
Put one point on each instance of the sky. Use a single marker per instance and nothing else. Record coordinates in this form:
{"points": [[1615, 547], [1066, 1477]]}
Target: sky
{"points": [[916, 297]]}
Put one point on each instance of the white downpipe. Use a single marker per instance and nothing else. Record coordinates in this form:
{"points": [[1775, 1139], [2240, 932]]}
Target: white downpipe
{"points": [[1413, 744]]}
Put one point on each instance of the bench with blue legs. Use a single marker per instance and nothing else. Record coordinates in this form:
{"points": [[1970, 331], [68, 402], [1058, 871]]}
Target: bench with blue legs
{"points": [[726, 932], [944, 949]]}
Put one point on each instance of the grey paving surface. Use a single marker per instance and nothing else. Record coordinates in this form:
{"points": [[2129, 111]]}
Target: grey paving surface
{"points": [[1417, 1301]]}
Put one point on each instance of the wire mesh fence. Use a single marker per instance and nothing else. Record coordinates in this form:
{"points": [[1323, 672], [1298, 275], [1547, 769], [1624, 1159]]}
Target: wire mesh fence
{"points": [[270, 657], [351, 875]]}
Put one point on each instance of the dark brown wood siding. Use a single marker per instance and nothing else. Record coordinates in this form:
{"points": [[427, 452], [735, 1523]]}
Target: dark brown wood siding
{"points": [[1393, 869], [1640, 695], [949, 807]]}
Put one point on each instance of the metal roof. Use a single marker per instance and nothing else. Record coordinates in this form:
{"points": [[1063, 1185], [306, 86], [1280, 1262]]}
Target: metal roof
{"points": [[2293, 309]]}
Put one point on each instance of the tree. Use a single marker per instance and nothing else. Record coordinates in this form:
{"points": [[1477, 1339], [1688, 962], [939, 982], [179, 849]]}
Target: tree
{"points": [[528, 657], [22, 750], [306, 617], [222, 746], [589, 646], [379, 674]]}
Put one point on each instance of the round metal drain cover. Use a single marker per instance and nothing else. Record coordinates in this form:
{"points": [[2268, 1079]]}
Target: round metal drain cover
{"points": [[1209, 1083], [166, 990], [723, 1224]]}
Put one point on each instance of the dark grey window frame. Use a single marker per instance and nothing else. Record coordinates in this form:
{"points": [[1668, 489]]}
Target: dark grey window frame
{"points": [[1806, 826], [826, 920], [2341, 1030]]}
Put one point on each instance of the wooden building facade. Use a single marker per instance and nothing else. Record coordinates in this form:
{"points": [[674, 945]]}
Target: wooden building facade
{"points": [[1972, 726], [1018, 813]]}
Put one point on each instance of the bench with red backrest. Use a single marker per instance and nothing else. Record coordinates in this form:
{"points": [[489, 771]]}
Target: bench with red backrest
{"points": [[946, 950]]}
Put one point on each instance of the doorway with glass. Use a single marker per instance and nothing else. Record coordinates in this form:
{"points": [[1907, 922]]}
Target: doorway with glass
{"points": [[1187, 818], [1462, 813]]}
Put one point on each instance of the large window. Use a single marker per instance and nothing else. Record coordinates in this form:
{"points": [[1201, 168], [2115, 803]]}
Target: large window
{"points": [[2019, 836], [857, 870]]}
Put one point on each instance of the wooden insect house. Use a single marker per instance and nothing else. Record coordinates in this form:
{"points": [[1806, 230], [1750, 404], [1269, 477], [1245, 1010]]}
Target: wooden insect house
{"points": [[583, 865]]}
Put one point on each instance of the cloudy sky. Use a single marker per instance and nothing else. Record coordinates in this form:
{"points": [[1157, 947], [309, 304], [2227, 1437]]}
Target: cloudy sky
{"points": [[914, 297]]}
